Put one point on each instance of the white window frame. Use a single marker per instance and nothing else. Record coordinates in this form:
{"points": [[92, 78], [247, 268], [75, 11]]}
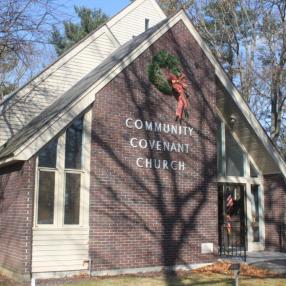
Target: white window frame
{"points": [[60, 171], [248, 181]]}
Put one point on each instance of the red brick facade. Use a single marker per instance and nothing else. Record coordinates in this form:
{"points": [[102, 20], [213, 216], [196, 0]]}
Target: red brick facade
{"points": [[141, 217], [16, 217], [275, 212], [149, 217]]}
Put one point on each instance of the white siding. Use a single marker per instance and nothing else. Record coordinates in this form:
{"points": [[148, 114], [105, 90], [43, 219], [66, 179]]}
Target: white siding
{"points": [[59, 250], [32, 100], [133, 23]]}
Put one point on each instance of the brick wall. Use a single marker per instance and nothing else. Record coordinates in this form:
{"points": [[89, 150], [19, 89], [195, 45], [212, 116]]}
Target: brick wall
{"points": [[275, 211], [16, 216], [147, 217]]}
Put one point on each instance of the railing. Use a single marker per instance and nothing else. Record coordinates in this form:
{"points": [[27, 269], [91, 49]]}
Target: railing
{"points": [[232, 240], [282, 237]]}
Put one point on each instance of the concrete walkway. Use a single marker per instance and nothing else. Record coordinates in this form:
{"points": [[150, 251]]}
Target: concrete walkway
{"points": [[272, 261]]}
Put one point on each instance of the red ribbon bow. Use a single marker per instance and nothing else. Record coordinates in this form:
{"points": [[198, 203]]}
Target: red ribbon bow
{"points": [[179, 84]]}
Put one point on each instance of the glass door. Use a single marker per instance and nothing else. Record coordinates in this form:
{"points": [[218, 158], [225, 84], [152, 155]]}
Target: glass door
{"points": [[255, 236], [232, 219]]}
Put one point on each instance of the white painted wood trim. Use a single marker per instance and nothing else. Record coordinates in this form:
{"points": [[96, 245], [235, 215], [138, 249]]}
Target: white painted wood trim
{"points": [[25, 152], [236, 138], [256, 246], [87, 162], [223, 156], [247, 181], [81, 45], [28, 149], [238, 180], [61, 247], [60, 172], [60, 187], [59, 62]]}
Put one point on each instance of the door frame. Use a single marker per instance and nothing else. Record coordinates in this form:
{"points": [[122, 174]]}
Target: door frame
{"points": [[242, 247], [248, 182]]}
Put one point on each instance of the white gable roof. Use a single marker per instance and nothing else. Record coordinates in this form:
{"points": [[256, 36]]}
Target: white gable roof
{"points": [[18, 109]]}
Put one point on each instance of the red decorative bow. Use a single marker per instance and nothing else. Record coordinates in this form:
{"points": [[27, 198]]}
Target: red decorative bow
{"points": [[179, 84]]}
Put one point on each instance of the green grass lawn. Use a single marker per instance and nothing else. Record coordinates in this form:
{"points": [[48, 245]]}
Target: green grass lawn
{"points": [[188, 280], [194, 279]]}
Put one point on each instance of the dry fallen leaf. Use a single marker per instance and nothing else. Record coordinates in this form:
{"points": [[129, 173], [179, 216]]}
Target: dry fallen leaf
{"points": [[245, 270]]}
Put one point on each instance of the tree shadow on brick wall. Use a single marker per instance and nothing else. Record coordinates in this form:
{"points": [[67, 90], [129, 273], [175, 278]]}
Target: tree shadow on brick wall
{"points": [[275, 215], [156, 216], [12, 199]]}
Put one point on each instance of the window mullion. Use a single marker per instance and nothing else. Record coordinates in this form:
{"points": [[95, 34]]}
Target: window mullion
{"points": [[85, 183], [60, 185]]}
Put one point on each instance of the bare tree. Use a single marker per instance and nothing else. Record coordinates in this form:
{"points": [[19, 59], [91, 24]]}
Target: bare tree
{"points": [[272, 56], [23, 25], [170, 7], [249, 39]]}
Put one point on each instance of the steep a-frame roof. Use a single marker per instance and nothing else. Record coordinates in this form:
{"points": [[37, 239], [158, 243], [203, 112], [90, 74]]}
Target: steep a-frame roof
{"points": [[24, 104], [72, 94], [43, 128]]}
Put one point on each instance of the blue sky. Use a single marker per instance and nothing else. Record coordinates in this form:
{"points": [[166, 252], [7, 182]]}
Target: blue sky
{"points": [[110, 7], [64, 10]]}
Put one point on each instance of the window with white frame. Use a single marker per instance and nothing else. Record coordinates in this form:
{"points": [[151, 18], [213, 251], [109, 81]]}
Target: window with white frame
{"points": [[231, 158], [60, 178]]}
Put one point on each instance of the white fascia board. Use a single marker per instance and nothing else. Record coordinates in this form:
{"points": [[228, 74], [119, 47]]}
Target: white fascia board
{"points": [[26, 88], [242, 105], [61, 61], [34, 144], [87, 98]]}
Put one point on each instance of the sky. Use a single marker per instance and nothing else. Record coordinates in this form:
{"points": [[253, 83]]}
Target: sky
{"points": [[110, 7], [64, 10]]}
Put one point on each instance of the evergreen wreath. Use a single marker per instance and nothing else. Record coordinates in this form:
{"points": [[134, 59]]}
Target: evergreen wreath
{"points": [[163, 60]]}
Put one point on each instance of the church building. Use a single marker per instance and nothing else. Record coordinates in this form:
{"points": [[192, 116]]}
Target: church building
{"points": [[134, 152]]}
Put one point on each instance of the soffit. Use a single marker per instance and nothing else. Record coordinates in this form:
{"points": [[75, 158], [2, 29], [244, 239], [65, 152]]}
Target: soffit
{"points": [[244, 132]]}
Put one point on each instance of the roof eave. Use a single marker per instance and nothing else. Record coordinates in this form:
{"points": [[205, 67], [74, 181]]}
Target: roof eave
{"points": [[88, 96]]}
